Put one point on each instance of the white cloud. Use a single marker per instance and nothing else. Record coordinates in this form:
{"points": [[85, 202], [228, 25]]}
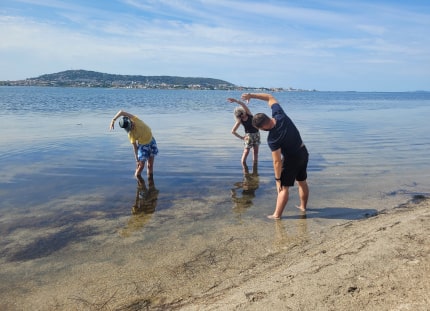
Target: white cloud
{"points": [[276, 43]]}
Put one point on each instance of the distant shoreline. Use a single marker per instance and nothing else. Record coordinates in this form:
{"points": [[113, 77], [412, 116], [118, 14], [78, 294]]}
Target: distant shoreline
{"points": [[92, 79]]}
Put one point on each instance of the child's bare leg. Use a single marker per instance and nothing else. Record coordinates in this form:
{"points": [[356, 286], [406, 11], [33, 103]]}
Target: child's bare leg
{"points": [[255, 155], [244, 156], [150, 168], [139, 168]]}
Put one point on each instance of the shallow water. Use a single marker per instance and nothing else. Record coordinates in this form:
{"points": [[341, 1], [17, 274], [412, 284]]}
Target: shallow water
{"points": [[67, 187]]}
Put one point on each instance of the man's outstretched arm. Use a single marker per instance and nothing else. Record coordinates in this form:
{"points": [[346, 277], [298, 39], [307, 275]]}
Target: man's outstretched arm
{"points": [[261, 96]]}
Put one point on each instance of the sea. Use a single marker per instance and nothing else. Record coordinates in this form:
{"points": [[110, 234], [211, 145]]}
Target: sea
{"points": [[70, 203]]}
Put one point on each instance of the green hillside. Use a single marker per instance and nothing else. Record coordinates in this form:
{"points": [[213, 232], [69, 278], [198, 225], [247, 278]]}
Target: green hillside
{"points": [[85, 78]]}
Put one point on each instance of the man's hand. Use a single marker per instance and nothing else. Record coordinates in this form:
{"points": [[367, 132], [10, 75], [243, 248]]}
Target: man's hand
{"points": [[246, 96]]}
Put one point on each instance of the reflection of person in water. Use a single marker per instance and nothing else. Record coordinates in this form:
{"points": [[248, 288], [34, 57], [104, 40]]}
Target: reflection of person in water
{"points": [[249, 185], [146, 198], [143, 207], [297, 233]]}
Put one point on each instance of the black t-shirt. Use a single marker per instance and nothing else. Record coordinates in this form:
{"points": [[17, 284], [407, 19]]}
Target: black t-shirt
{"points": [[284, 135], [249, 128]]}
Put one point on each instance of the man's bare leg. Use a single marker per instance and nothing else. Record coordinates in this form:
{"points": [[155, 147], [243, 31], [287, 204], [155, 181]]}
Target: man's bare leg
{"points": [[303, 194], [281, 202]]}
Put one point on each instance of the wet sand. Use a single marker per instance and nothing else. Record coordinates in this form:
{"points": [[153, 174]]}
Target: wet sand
{"points": [[378, 263]]}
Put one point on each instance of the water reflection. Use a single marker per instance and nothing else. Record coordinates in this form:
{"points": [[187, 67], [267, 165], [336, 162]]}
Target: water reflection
{"points": [[143, 207], [243, 192], [296, 233]]}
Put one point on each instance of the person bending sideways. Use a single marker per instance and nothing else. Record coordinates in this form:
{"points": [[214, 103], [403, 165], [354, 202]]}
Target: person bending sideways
{"points": [[289, 154], [251, 139], [140, 135]]}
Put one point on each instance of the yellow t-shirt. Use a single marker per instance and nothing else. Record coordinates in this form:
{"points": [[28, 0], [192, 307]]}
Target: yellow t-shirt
{"points": [[140, 132]]}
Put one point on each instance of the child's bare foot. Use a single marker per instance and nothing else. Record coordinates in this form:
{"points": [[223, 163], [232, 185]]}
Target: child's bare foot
{"points": [[273, 217], [301, 208]]}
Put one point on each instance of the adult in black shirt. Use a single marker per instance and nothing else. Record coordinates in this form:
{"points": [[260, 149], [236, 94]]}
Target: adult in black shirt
{"points": [[289, 154]]}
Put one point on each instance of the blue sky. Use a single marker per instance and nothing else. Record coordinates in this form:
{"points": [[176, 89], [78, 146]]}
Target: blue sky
{"points": [[336, 45]]}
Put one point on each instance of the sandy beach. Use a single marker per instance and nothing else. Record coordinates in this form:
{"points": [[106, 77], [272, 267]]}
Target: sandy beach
{"points": [[378, 263]]}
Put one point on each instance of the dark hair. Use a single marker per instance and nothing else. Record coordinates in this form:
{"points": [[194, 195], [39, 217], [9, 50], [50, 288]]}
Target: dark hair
{"points": [[259, 120], [125, 123]]}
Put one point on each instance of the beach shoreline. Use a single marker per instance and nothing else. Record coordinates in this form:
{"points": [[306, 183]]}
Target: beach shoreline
{"points": [[378, 263]]}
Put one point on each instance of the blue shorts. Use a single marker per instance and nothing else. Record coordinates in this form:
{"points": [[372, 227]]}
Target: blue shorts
{"points": [[144, 152]]}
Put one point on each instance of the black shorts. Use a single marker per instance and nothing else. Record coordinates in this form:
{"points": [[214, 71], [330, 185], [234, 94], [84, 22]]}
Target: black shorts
{"points": [[295, 167]]}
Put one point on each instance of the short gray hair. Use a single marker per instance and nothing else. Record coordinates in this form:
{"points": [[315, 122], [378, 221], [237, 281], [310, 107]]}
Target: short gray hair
{"points": [[238, 111]]}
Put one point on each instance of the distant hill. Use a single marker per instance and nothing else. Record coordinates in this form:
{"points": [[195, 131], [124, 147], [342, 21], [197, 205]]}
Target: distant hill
{"points": [[85, 78]]}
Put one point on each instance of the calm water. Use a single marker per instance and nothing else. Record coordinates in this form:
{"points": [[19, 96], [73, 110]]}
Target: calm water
{"points": [[67, 181], [368, 150]]}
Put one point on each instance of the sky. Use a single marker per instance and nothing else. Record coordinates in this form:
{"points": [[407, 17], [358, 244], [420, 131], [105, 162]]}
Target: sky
{"points": [[326, 45]]}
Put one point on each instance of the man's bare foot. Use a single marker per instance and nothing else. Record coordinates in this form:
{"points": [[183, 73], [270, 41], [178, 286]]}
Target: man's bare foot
{"points": [[301, 208], [273, 217]]}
